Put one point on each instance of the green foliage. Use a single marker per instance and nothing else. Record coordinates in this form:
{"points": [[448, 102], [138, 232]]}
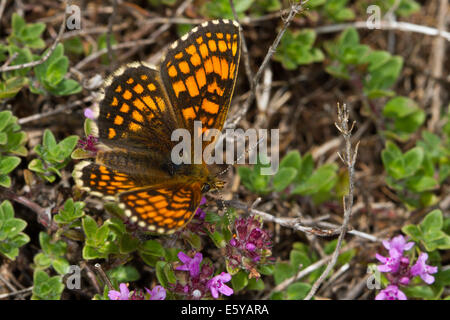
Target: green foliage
{"points": [[124, 274], [430, 232], [336, 10], [53, 156], [297, 49], [222, 8], [101, 241], [74, 46], [52, 254], [12, 141], [26, 35], [46, 287], [11, 235], [377, 70], [165, 273], [300, 257], [402, 8], [239, 281], [71, 212], [49, 76], [295, 174], [406, 115], [416, 173], [158, 3]]}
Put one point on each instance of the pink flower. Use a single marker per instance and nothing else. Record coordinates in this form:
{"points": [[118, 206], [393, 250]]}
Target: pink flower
{"points": [[391, 263], [89, 144], [216, 285], [157, 293], [249, 247], [200, 213], [398, 243], [190, 264], [124, 293], [392, 292], [423, 270], [88, 113]]}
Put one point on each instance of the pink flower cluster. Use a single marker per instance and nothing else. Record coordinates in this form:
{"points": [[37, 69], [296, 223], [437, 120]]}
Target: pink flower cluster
{"points": [[398, 269], [199, 283]]}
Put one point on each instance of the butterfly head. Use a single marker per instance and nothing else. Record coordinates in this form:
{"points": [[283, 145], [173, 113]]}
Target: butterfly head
{"points": [[212, 183]]}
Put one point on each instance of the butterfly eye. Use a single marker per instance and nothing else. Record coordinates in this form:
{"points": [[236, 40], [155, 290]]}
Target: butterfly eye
{"points": [[206, 187]]}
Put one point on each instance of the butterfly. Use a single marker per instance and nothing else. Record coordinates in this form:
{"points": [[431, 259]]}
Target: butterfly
{"points": [[141, 107]]}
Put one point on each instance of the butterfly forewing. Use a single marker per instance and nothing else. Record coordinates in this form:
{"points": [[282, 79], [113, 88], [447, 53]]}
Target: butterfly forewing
{"points": [[199, 73], [135, 112]]}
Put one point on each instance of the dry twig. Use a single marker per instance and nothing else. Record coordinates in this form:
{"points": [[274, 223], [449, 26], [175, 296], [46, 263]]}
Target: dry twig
{"points": [[349, 161]]}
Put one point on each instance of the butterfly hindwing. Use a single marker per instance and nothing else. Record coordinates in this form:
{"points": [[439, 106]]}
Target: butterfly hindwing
{"points": [[101, 181], [162, 208], [199, 73]]}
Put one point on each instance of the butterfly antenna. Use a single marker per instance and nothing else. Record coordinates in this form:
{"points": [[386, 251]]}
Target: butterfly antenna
{"points": [[240, 157], [224, 206]]}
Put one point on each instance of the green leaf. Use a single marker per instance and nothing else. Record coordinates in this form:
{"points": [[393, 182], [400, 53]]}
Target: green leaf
{"points": [[413, 231], [89, 227], [71, 211], [124, 274], [424, 292], [61, 265], [283, 178], [239, 281], [282, 272], [433, 221], [385, 75], [413, 160], [45, 287], [399, 107], [292, 160], [299, 260], [56, 71], [161, 274], [321, 178], [49, 140], [128, 244], [18, 23], [41, 69], [349, 38], [152, 247], [11, 236], [297, 291], [421, 184], [8, 164], [5, 181], [10, 87], [5, 118], [66, 87], [67, 145], [255, 284]]}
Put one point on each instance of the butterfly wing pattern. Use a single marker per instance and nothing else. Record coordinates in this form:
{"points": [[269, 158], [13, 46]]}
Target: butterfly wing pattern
{"points": [[138, 112]]}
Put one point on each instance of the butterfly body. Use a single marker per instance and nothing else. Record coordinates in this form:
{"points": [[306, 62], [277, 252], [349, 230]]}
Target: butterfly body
{"points": [[140, 109]]}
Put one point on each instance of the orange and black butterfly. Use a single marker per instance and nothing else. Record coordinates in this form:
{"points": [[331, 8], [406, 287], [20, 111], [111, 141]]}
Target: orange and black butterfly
{"points": [[140, 109]]}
